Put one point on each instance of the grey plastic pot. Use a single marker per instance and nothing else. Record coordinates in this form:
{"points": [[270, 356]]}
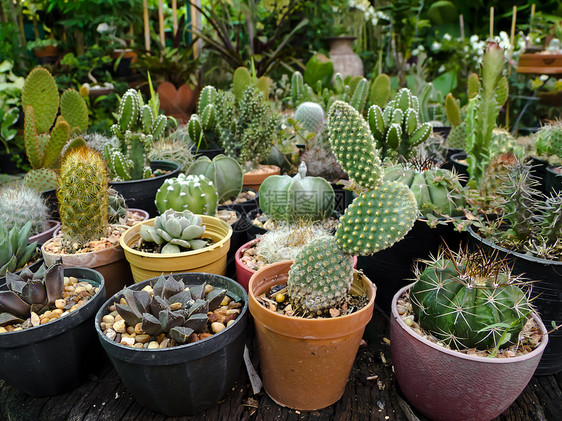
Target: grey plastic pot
{"points": [[446, 385], [58, 356], [185, 379]]}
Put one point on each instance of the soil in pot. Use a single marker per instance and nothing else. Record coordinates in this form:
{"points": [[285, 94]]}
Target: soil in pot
{"points": [[254, 178], [245, 202]]}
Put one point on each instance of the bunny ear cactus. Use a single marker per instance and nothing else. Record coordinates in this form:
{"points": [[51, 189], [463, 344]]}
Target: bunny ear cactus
{"points": [[195, 193], [296, 198], [470, 300], [397, 129], [225, 173], [44, 137]]}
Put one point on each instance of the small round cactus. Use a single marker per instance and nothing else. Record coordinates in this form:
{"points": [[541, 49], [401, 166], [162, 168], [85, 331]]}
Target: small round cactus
{"points": [[311, 116], [20, 204], [195, 193], [470, 300]]}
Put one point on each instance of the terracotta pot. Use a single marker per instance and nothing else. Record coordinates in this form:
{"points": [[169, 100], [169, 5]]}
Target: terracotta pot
{"points": [[305, 363], [253, 179], [244, 273], [211, 259], [448, 385], [345, 61], [110, 262], [47, 51], [541, 63], [49, 233], [178, 103]]}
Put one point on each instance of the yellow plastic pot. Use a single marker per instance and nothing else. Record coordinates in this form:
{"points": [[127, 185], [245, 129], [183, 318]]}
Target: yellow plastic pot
{"points": [[211, 259]]}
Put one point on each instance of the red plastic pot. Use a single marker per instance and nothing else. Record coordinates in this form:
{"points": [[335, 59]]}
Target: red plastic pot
{"points": [[448, 385], [244, 273]]}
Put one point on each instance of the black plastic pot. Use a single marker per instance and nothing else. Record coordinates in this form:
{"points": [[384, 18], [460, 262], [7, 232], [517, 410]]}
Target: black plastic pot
{"points": [[343, 198], [244, 207], [185, 379], [447, 164], [546, 294], [538, 169], [210, 153], [460, 167], [141, 193], [239, 238], [553, 182], [443, 131], [392, 269], [58, 356]]}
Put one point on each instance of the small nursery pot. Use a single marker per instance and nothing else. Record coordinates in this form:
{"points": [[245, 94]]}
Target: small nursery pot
{"points": [[49, 233], [253, 179], [58, 356], [211, 259], [446, 385], [185, 379], [553, 180], [305, 363]]}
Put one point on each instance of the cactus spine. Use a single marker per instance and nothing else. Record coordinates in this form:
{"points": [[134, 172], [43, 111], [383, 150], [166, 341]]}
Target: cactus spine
{"points": [[195, 193], [83, 197], [20, 204]]}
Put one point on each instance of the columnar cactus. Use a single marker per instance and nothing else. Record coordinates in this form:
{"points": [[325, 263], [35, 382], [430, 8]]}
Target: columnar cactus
{"points": [[83, 197], [470, 300], [44, 142], [175, 231], [15, 252], [20, 204], [296, 198], [195, 193], [311, 116], [381, 215], [225, 173], [136, 128], [397, 129]]}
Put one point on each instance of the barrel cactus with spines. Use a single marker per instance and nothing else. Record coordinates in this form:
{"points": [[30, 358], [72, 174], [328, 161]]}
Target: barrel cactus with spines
{"points": [[225, 173], [311, 116], [470, 300], [396, 129], [195, 193], [175, 231], [285, 198], [83, 197]]}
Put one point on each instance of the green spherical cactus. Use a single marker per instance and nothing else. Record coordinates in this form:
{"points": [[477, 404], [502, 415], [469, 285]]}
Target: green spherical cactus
{"points": [[377, 219], [311, 116], [195, 193], [470, 300], [320, 277], [20, 204], [175, 231], [225, 173], [300, 197], [437, 191], [83, 197], [352, 144]]}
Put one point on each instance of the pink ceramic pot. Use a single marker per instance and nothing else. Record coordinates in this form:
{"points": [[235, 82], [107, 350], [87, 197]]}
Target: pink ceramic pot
{"points": [[446, 385], [244, 273]]}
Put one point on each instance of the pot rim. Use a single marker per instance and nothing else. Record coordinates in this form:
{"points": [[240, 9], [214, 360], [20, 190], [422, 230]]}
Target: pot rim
{"points": [[538, 350], [155, 162], [132, 230]]}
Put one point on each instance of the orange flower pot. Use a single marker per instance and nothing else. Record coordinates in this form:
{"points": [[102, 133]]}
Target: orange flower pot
{"points": [[305, 363], [254, 178]]}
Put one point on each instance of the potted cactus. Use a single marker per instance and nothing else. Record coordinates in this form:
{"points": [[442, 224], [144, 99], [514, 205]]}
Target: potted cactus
{"points": [[46, 315], [548, 144], [195, 193], [185, 325], [87, 239], [137, 126], [471, 302], [306, 359], [177, 242]]}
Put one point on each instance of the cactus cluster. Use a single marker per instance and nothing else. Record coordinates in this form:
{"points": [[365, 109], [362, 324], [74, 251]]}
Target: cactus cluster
{"points": [[470, 300], [397, 129], [549, 142], [381, 215], [195, 193], [136, 128], [174, 309], [31, 292], [175, 231], [83, 197], [438, 191], [225, 173], [286, 198], [45, 134], [202, 129], [20, 204], [15, 251]]}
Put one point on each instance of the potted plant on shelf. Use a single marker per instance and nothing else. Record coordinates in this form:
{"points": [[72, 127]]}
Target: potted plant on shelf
{"points": [[87, 239], [46, 315], [180, 326], [460, 332], [138, 125], [177, 242], [307, 353], [548, 144]]}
